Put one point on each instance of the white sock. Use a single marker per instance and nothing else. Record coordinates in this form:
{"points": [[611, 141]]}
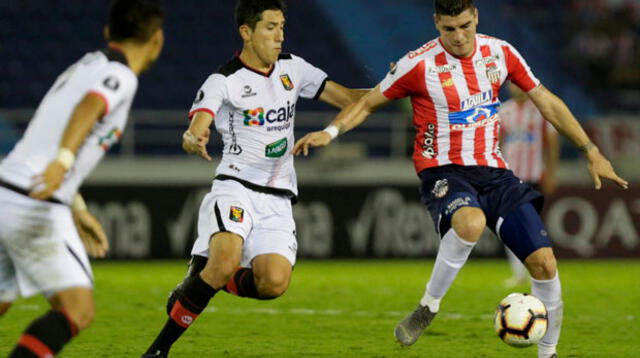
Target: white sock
{"points": [[517, 268], [452, 255], [550, 293]]}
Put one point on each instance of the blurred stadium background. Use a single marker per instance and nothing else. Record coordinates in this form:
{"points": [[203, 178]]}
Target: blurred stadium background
{"points": [[359, 198]]}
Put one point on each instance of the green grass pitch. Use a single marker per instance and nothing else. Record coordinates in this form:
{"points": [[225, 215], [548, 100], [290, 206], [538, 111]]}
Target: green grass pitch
{"points": [[349, 309]]}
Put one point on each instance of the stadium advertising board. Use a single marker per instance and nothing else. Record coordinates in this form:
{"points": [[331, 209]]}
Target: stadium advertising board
{"points": [[361, 221]]}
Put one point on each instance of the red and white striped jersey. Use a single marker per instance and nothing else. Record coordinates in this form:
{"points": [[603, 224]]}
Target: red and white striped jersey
{"points": [[455, 100], [523, 131]]}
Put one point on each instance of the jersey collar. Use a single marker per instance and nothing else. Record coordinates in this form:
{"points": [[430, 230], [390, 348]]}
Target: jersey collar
{"points": [[115, 54], [261, 73]]}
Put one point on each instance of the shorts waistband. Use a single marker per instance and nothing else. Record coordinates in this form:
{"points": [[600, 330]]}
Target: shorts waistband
{"points": [[24, 192]]}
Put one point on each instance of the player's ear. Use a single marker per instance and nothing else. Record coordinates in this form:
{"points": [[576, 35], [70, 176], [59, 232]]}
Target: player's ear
{"points": [[245, 32], [476, 15], [106, 33]]}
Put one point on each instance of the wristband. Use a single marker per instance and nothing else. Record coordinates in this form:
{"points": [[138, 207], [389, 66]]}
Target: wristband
{"points": [[332, 130], [66, 157], [78, 203], [587, 147]]}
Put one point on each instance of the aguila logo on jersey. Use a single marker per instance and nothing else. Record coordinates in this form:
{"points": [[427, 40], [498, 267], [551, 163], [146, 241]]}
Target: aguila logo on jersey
{"points": [[257, 117], [286, 82], [110, 139], [236, 214], [477, 100], [254, 117]]}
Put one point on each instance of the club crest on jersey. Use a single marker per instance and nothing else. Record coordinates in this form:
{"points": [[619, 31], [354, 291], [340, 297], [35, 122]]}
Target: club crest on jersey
{"points": [[286, 82], [494, 74], [254, 117], [440, 189], [236, 214], [110, 139]]}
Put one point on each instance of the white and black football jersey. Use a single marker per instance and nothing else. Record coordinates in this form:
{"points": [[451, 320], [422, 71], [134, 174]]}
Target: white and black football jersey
{"points": [[104, 73], [255, 113]]}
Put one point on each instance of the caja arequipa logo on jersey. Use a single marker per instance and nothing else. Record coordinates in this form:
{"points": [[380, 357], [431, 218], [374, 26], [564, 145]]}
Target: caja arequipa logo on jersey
{"points": [[254, 117]]}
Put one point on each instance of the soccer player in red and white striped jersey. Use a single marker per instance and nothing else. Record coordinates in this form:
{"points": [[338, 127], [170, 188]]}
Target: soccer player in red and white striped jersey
{"points": [[453, 82]]}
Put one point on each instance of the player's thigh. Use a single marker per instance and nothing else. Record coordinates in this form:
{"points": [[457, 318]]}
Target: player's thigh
{"points": [[226, 209], [445, 194], [225, 251], [77, 303], [45, 248]]}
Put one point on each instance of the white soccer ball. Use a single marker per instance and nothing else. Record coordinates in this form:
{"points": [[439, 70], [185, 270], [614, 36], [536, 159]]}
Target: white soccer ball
{"points": [[521, 320]]}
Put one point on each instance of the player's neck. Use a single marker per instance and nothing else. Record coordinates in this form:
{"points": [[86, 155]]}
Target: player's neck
{"points": [[250, 59], [136, 56]]}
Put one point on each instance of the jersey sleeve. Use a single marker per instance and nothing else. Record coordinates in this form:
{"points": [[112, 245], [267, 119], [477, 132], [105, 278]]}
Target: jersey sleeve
{"points": [[210, 96], [404, 79], [115, 83], [518, 70], [312, 79]]}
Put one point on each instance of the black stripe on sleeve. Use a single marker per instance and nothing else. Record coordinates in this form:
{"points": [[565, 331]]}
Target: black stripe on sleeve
{"points": [[321, 89]]}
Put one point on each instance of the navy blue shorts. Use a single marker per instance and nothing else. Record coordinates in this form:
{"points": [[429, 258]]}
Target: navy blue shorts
{"points": [[496, 191]]}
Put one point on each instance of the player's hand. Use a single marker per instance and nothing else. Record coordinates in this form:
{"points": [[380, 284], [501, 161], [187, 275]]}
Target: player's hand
{"points": [[313, 139], [92, 234], [45, 184], [599, 167], [196, 145]]}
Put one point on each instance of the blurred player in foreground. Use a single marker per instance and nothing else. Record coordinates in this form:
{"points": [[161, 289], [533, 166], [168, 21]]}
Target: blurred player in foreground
{"points": [[78, 120], [246, 241], [453, 82], [530, 146]]}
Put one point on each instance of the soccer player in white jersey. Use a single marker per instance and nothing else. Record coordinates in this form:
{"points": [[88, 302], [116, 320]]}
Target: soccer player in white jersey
{"points": [[78, 120], [246, 241], [530, 146], [453, 82]]}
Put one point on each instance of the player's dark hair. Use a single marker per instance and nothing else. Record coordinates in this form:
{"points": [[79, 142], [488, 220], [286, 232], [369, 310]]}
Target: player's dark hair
{"points": [[249, 12], [452, 7], [135, 20]]}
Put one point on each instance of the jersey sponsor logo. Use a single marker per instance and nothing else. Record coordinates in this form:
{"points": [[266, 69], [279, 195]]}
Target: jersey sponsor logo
{"points": [[258, 116], [276, 149], [426, 47], [248, 92], [111, 83], [440, 189], [254, 117], [474, 117], [199, 97], [442, 69], [494, 74], [236, 214], [477, 100], [110, 139], [286, 82], [487, 60], [429, 141]]}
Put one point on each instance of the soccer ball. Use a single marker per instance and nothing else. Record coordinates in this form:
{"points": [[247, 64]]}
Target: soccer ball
{"points": [[521, 320]]}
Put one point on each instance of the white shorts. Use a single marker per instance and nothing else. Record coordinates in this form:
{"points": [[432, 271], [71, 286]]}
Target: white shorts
{"points": [[264, 221], [40, 250]]}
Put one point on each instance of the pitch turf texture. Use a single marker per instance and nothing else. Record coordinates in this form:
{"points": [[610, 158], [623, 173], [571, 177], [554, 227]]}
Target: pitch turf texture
{"points": [[349, 309]]}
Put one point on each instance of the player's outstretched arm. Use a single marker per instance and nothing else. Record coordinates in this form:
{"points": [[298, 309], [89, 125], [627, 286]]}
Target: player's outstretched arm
{"points": [[339, 96], [196, 138], [84, 117], [556, 111], [89, 229], [349, 118]]}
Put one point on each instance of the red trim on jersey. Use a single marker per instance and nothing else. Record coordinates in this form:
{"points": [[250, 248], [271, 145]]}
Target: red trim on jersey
{"points": [[192, 113], [263, 73], [405, 85], [35, 346], [518, 74], [453, 100], [104, 99], [486, 52]]}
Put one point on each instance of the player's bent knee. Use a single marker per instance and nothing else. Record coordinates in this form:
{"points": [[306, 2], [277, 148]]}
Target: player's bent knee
{"points": [[272, 287], [542, 264], [469, 223]]}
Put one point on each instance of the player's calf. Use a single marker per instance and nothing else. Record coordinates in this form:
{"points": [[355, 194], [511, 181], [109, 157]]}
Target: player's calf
{"points": [[46, 336]]}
